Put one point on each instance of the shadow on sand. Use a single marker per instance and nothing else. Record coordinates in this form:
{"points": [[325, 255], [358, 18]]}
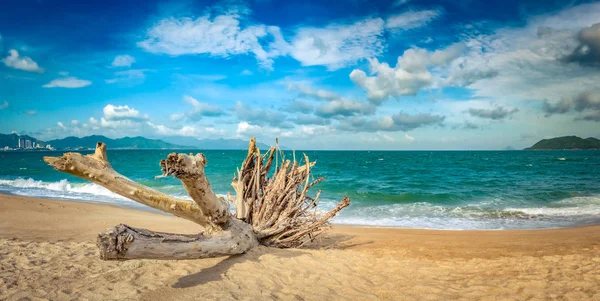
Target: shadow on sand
{"points": [[216, 272]]}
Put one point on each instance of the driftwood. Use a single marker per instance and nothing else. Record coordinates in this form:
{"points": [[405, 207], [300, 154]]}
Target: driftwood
{"points": [[270, 209]]}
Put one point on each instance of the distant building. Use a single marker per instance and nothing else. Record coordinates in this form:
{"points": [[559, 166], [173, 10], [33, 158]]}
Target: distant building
{"points": [[27, 143], [21, 143]]}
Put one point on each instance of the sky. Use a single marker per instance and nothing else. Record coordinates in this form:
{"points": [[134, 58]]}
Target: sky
{"points": [[390, 75]]}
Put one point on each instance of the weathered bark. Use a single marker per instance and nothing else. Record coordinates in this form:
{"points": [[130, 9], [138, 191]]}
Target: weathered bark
{"points": [[190, 170], [97, 169], [274, 211], [123, 242]]}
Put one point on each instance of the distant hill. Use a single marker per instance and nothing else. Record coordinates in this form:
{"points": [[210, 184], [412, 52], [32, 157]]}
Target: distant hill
{"points": [[12, 140], [212, 143], [566, 142], [175, 142], [126, 142]]}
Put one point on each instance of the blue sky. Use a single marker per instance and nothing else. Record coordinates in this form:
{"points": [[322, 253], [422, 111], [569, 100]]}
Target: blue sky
{"points": [[317, 74]]}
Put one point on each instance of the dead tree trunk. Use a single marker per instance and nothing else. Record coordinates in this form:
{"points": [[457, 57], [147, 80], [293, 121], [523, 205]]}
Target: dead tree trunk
{"points": [[274, 211]]}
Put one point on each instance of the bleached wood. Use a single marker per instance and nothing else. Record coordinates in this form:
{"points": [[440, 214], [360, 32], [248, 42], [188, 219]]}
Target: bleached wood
{"points": [[97, 169], [190, 170], [274, 211], [124, 242]]}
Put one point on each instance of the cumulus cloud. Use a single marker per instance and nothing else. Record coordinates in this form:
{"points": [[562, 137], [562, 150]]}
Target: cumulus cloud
{"points": [[335, 105], [4, 105], [594, 116], [14, 60], [410, 75], [300, 106], [528, 63], [245, 129], [124, 60], [398, 122], [304, 89], [585, 102], [411, 19], [70, 82], [122, 113], [221, 36], [308, 119], [588, 50], [30, 112], [497, 113], [344, 107], [199, 110], [261, 117], [338, 45], [246, 72]]}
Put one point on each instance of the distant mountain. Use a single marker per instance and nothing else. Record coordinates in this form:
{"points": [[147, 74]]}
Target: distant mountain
{"points": [[12, 140], [566, 142], [126, 142], [212, 143], [175, 142]]}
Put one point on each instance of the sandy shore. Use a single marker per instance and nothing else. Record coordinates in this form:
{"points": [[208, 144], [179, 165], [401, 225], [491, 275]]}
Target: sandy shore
{"points": [[47, 251]]}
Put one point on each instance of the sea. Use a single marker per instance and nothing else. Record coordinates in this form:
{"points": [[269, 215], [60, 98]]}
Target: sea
{"points": [[459, 190]]}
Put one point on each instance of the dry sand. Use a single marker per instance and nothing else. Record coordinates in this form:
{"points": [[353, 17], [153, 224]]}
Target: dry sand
{"points": [[47, 251]]}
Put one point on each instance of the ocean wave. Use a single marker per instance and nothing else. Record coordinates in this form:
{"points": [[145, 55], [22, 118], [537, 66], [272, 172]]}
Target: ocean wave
{"points": [[489, 213], [62, 188]]}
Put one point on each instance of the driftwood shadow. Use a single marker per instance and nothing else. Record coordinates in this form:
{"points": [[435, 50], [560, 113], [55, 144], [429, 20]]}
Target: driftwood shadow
{"points": [[335, 242], [215, 273]]}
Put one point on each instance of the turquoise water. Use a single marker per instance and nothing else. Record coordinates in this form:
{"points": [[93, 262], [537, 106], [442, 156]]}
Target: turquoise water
{"points": [[416, 189]]}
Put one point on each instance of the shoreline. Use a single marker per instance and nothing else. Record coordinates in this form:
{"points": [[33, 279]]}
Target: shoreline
{"points": [[136, 207], [47, 250]]}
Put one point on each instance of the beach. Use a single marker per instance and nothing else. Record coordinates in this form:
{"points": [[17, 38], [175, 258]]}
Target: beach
{"points": [[48, 252]]}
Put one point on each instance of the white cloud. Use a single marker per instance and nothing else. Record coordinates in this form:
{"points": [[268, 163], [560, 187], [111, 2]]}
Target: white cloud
{"points": [[4, 105], [222, 36], [120, 117], [30, 112], [411, 19], [120, 113], [14, 60], [60, 125], [68, 82], [496, 113], [200, 109], [411, 74], [244, 129], [531, 62], [345, 107], [124, 60], [247, 72], [409, 138], [398, 122], [338, 45], [304, 89], [261, 117]]}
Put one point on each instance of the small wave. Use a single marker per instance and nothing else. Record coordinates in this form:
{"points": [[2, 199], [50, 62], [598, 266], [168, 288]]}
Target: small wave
{"points": [[561, 159], [60, 186]]}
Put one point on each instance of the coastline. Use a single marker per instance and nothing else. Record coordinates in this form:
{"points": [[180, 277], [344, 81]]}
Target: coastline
{"points": [[48, 251]]}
